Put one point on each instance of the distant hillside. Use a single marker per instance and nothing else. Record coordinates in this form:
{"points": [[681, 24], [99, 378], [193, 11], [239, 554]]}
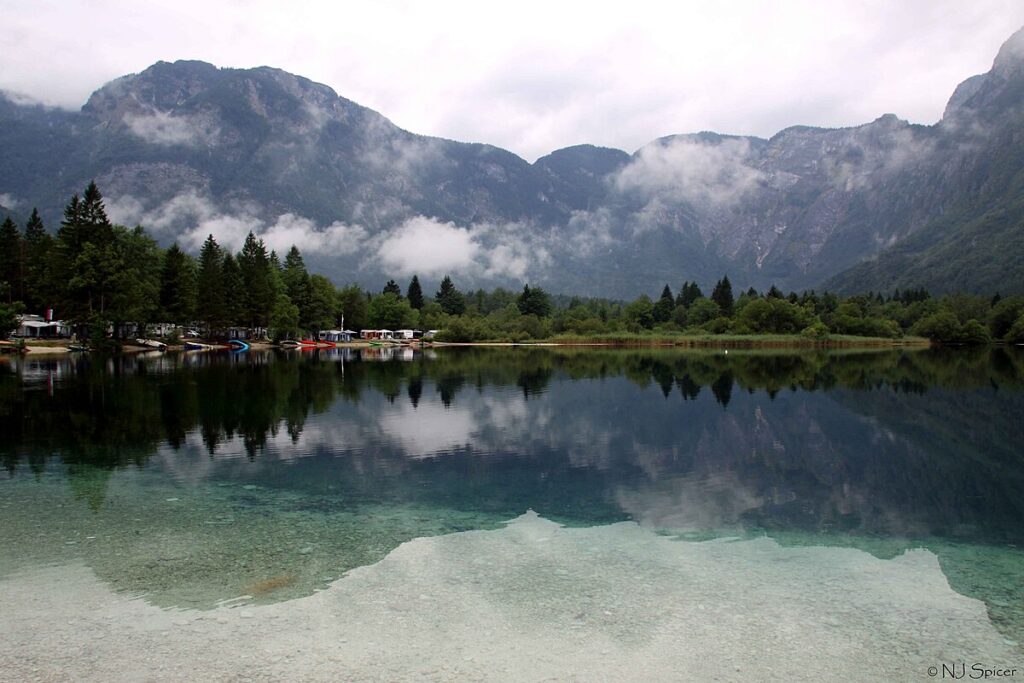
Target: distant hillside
{"points": [[186, 149]]}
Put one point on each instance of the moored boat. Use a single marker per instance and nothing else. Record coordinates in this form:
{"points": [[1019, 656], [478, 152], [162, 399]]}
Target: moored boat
{"points": [[151, 344], [238, 345]]}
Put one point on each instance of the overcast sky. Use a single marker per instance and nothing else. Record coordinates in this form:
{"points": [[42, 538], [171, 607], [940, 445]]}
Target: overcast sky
{"points": [[536, 76]]}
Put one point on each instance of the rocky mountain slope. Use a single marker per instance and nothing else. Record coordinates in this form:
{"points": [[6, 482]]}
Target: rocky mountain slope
{"points": [[187, 149]]}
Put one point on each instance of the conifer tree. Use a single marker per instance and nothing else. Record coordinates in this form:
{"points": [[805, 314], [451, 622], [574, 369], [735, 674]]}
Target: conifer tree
{"points": [[235, 311], [211, 293], [86, 266], [534, 301], [296, 282], [37, 249], [392, 288], [689, 293], [177, 286], [664, 306], [722, 295], [451, 299], [257, 292], [415, 293], [11, 262]]}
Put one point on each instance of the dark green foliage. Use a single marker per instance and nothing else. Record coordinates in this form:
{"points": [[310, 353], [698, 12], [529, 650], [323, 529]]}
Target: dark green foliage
{"points": [[37, 249], [296, 284], [689, 293], [773, 315], [534, 301], [1003, 314], [664, 306], [390, 311], [415, 293], [973, 332], [235, 300], [8, 319], [1016, 333], [11, 261], [321, 313], [212, 295], [392, 288], [352, 307], [257, 291], [640, 314], [722, 295], [284, 318], [941, 327], [702, 312], [451, 299], [178, 287]]}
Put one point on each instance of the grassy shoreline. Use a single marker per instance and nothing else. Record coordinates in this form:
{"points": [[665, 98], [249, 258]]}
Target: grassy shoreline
{"points": [[752, 341]]}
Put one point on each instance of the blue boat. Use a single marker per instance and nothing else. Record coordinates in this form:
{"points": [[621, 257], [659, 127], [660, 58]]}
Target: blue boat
{"points": [[238, 345]]}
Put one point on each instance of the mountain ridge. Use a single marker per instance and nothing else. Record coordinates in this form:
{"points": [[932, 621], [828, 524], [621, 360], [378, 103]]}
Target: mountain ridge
{"points": [[187, 148]]}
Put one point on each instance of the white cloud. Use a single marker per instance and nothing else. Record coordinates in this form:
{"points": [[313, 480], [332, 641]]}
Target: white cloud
{"points": [[163, 128], [427, 246], [684, 169], [416, 245], [8, 200]]}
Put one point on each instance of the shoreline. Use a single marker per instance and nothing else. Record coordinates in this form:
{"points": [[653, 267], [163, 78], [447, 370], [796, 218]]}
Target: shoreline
{"points": [[682, 342]]}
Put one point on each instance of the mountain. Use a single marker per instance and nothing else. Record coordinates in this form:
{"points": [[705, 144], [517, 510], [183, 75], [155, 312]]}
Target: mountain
{"points": [[187, 149]]}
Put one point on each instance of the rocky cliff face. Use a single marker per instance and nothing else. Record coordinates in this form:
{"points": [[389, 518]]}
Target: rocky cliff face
{"points": [[187, 149]]}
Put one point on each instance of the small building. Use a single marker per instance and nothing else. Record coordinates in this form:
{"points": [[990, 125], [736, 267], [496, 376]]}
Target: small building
{"points": [[34, 327], [335, 336], [377, 335], [161, 329]]}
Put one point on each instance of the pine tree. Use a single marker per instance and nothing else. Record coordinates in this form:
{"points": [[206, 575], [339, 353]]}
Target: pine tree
{"points": [[86, 265], [235, 312], [177, 287], [534, 301], [296, 282], [415, 293], [257, 284], [722, 295], [211, 293], [38, 253], [11, 281], [689, 293], [664, 306], [451, 299], [392, 288]]}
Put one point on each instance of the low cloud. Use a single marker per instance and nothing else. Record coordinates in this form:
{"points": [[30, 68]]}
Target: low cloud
{"points": [[685, 169], [163, 128], [8, 201], [424, 245], [857, 166], [427, 246], [480, 251]]}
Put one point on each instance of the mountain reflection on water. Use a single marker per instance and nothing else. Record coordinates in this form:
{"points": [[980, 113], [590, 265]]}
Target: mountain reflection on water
{"points": [[208, 475], [886, 442]]}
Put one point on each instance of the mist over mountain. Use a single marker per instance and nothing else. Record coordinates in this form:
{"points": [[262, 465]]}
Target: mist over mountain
{"points": [[187, 149]]}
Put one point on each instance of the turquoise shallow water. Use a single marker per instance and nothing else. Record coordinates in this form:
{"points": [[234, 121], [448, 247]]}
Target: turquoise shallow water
{"points": [[197, 481]]}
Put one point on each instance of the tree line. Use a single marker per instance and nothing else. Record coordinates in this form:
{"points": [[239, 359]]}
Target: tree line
{"points": [[95, 274]]}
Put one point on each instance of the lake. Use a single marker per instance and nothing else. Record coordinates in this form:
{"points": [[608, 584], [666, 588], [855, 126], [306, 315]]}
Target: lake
{"points": [[512, 514]]}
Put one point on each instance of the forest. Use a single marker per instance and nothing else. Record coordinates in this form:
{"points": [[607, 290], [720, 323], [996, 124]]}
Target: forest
{"points": [[99, 276]]}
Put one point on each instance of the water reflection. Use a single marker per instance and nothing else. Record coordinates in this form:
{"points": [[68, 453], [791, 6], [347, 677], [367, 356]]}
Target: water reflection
{"points": [[291, 468]]}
